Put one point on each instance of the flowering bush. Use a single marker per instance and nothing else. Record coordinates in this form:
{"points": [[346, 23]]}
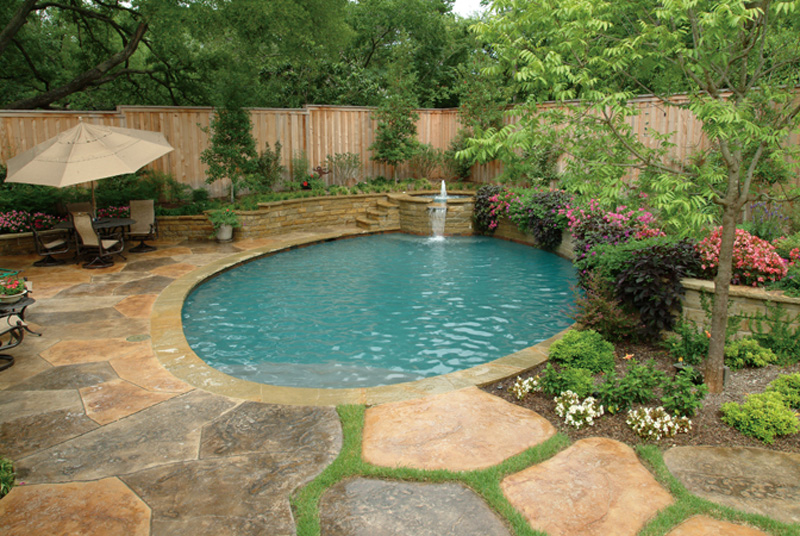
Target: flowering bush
{"points": [[114, 212], [523, 387], [16, 221], [540, 213], [12, 286], [484, 213], [655, 423], [754, 260], [575, 412]]}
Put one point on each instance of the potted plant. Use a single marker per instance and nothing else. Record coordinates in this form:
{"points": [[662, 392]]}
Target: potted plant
{"points": [[223, 220], [12, 290]]}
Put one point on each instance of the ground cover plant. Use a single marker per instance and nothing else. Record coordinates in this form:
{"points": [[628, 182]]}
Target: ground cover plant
{"points": [[7, 476]]}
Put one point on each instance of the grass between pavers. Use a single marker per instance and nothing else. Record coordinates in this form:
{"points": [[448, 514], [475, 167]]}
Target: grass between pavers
{"points": [[687, 505], [349, 463], [486, 483]]}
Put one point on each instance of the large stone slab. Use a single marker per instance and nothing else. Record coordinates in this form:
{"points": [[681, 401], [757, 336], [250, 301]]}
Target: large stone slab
{"points": [[17, 404], [22, 436], [148, 264], [174, 271], [103, 508], [76, 317], [708, 526], [143, 369], [105, 329], [68, 377], [137, 306], [753, 480], [291, 434], [89, 351], [365, 507], [148, 285], [460, 431], [110, 401], [596, 487], [232, 496], [163, 434]]}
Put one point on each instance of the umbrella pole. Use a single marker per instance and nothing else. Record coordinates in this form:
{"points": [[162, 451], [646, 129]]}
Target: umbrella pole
{"points": [[94, 204]]}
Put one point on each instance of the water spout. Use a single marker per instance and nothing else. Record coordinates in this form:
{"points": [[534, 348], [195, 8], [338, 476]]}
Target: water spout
{"points": [[437, 212]]}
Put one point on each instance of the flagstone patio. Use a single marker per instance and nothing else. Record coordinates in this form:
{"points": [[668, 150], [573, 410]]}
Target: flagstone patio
{"points": [[107, 440]]}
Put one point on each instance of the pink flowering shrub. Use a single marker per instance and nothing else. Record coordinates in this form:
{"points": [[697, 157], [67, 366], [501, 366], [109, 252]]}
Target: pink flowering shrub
{"points": [[114, 212], [755, 261], [16, 221]]}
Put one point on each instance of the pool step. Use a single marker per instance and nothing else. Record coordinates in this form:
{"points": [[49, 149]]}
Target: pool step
{"points": [[384, 216]]}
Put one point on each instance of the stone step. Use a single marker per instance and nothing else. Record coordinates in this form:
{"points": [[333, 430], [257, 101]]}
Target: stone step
{"points": [[377, 214], [387, 205], [367, 223]]}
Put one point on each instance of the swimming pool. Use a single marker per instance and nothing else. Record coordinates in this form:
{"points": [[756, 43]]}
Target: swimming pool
{"points": [[377, 310]]}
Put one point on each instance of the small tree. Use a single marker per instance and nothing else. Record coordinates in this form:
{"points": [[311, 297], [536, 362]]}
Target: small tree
{"points": [[232, 152], [736, 61]]}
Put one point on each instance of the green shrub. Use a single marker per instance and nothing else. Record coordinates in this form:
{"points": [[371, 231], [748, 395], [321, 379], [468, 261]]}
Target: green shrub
{"points": [[426, 162], [583, 349], [785, 245], [787, 385], [7, 476], [578, 380], [773, 330], [748, 352], [790, 284], [345, 167], [266, 170], [688, 343], [637, 386], [597, 308], [763, 416], [681, 396]]}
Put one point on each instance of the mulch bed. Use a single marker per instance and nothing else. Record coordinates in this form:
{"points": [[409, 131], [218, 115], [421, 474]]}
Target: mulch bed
{"points": [[707, 427]]}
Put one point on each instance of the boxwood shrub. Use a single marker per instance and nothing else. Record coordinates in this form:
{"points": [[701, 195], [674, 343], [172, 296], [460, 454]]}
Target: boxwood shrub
{"points": [[583, 349]]}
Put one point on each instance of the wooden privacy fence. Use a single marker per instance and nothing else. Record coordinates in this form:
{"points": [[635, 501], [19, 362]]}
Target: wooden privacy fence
{"points": [[319, 130]]}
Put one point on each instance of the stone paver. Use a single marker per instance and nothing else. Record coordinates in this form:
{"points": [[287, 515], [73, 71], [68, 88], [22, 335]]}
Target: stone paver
{"points": [[596, 487], [143, 369], [166, 433], [462, 430], [102, 508], [68, 377], [365, 507], [758, 481], [137, 306], [88, 351], [708, 526], [110, 401]]}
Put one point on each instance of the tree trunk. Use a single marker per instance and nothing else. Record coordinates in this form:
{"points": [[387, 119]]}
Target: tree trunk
{"points": [[16, 23], [715, 363]]}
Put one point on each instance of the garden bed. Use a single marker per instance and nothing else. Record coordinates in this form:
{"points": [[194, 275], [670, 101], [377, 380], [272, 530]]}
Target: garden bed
{"points": [[707, 426]]}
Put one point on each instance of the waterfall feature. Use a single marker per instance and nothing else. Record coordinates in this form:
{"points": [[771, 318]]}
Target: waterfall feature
{"points": [[437, 211]]}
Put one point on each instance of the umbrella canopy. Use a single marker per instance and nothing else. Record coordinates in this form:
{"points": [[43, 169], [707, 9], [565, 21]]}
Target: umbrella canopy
{"points": [[85, 153]]}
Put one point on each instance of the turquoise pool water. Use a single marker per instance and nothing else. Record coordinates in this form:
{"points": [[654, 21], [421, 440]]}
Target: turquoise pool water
{"points": [[377, 310]]}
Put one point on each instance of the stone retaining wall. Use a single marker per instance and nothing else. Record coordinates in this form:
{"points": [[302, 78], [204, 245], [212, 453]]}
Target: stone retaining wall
{"points": [[508, 230], [744, 301]]}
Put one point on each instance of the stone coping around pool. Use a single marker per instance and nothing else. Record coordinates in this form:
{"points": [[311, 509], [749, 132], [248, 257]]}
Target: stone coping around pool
{"points": [[173, 351]]}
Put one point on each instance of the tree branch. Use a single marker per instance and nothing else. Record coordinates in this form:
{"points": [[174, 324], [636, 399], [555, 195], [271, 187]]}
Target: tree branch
{"points": [[84, 80], [16, 23]]}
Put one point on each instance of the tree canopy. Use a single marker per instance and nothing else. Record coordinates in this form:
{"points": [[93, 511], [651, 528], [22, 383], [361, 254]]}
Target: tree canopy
{"points": [[96, 54]]}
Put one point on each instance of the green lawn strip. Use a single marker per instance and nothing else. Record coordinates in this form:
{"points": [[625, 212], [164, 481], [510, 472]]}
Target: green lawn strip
{"points": [[349, 464], [687, 505]]}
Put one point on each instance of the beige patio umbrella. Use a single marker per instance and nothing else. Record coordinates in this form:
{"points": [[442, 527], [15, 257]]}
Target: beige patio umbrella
{"points": [[85, 153]]}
